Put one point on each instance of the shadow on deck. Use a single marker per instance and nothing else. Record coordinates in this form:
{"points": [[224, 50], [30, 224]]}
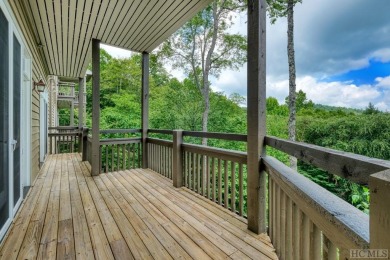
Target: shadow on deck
{"points": [[133, 214]]}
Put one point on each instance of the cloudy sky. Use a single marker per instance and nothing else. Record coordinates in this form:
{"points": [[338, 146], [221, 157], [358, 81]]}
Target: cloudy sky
{"points": [[342, 54]]}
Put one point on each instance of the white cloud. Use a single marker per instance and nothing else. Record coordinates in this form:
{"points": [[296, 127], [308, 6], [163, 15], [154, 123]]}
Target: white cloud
{"points": [[343, 94], [116, 52], [383, 82]]}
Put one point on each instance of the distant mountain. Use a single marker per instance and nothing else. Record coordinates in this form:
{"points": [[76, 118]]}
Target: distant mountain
{"points": [[333, 108]]}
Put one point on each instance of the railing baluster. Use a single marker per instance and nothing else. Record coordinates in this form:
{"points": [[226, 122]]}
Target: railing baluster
{"points": [[193, 170], [133, 152], [277, 223], [219, 183], [112, 158], [306, 238], [297, 229], [208, 177], [316, 243], [198, 159], [289, 232], [124, 157], [332, 252], [189, 170], [213, 177], [106, 152], [117, 158], [226, 185], [282, 225], [241, 189], [233, 181]]}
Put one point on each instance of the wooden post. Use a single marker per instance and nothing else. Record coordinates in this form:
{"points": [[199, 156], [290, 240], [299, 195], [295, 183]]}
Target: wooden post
{"points": [[81, 102], [145, 107], [379, 184], [95, 165], [256, 115], [84, 141], [81, 113], [177, 166]]}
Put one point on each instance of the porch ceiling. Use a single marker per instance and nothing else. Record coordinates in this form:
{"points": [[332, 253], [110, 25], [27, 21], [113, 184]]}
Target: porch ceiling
{"points": [[65, 28]]}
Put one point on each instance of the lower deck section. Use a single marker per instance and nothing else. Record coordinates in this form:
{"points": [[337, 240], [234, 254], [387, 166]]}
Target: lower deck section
{"points": [[134, 214]]}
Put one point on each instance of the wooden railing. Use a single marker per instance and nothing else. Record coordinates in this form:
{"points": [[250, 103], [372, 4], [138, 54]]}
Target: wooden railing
{"points": [[160, 156], [120, 154], [63, 139], [305, 221]]}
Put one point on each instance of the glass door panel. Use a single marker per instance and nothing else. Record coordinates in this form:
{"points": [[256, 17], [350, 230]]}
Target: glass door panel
{"points": [[17, 78], [4, 112]]}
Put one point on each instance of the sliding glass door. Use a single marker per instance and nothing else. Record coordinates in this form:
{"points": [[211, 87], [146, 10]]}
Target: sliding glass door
{"points": [[12, 135], [4, 120], [16, 140]]}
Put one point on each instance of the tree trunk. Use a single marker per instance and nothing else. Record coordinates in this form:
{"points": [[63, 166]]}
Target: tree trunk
{"points": [[291, 71], [206, 111]]}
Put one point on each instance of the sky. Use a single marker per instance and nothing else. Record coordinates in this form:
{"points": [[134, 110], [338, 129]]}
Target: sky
{"points": [[342, 53]]}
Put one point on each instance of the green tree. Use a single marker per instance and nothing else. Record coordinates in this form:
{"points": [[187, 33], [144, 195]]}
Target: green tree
{"points": [[371, 110], [204, 47], [301, 101]]}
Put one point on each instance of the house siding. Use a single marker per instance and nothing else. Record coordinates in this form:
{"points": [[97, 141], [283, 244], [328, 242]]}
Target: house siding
{"points": [[38, 72]]}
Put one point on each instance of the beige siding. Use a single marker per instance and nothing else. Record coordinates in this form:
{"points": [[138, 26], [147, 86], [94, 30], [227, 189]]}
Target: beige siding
{"points": [[38, 72]]}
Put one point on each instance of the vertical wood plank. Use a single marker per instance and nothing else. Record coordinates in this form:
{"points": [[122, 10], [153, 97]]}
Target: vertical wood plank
{"points": [[332, 252], [198, 181], [256, 116], [233, 195], [270, 209], [213, 178], [95, 165], [316, 243], [193, 170], [241, 189], [226, 184], [208, 177], [219, 182], [305, 245], [282, 224], [297, 228], [289, 223]]}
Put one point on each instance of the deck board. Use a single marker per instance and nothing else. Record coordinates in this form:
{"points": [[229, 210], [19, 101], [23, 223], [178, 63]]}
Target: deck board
{"points": [[132, 214]]}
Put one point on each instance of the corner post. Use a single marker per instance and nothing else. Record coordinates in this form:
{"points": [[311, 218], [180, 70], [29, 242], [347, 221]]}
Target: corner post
{"points": [[95, 167], [379, 184], [256, 116], [145, 107], [177, 158]]}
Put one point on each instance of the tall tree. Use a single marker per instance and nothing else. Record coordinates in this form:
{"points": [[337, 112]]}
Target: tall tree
{"points": [[277, 9], [203, 47]]}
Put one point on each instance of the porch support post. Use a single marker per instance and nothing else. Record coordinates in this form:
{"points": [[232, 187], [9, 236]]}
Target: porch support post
{"points": [[256, 115], [145, 107], [379, 184], [177, 158], [81, 102], [81, 113], [95, 165]]}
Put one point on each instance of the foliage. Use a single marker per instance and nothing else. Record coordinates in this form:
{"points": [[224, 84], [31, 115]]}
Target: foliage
{"points": [[203, 47]]}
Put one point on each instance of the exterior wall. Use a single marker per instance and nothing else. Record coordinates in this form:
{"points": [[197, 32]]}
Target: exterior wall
{"points": [[38, 72]]}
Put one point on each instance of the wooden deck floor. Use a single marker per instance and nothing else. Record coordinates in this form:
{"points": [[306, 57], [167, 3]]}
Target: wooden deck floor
{"points": [[135, 214]]}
